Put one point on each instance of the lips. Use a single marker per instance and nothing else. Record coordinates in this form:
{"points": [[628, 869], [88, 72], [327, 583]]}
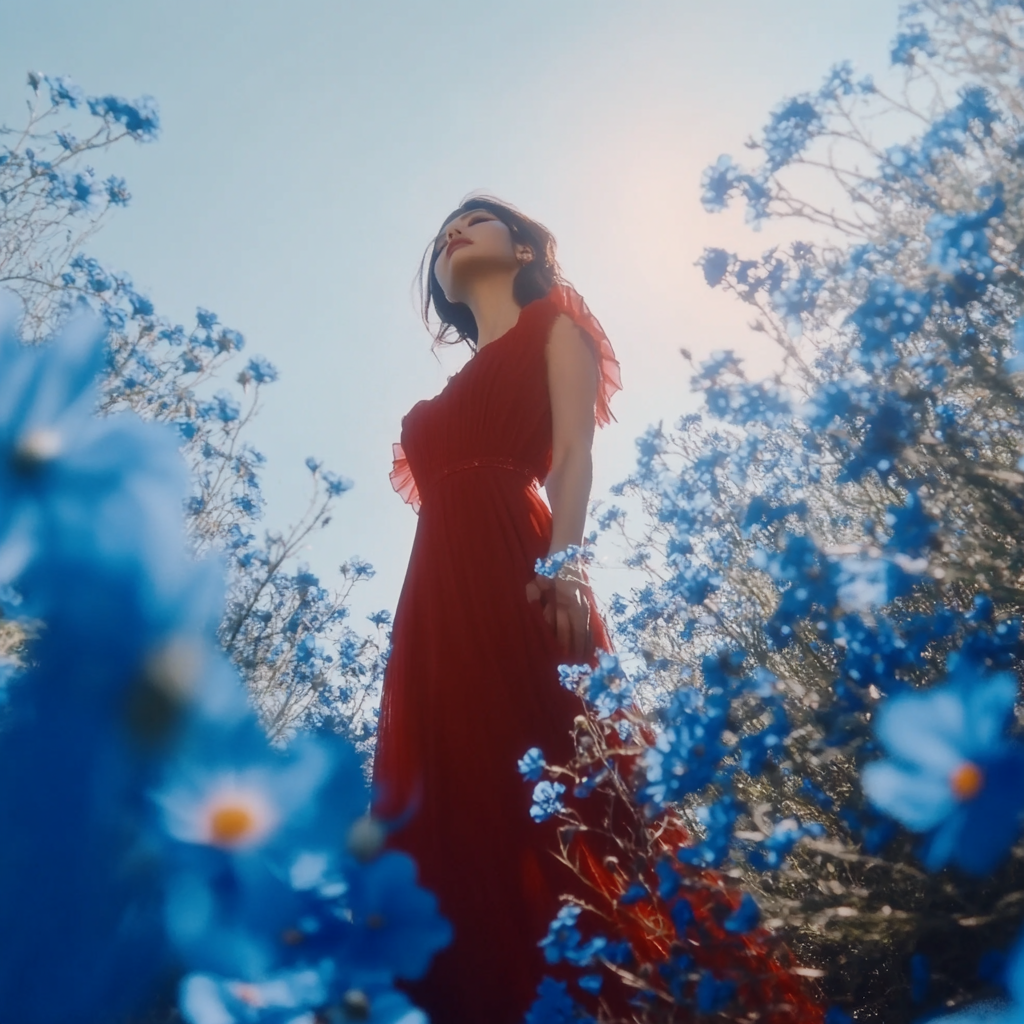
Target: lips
{"points": [[456, 243]]}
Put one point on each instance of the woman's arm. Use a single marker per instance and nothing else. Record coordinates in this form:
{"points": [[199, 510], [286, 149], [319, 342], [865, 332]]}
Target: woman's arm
{"points": [[572, 384]]}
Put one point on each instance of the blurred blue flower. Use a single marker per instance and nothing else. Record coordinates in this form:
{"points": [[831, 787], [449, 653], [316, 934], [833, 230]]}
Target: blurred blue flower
{"points": [[769, 854], [336, 484], [719, 820], [564, 941], [395, 924], [745, 917], [912, 40], [960, 252], [553, 1005], [287, 998], [793, 124], [260, 370], [684, 758], [141, 118], [62, 89], [951, 771], [717, 182], [715, 263], [714, 994], [890, 313]]}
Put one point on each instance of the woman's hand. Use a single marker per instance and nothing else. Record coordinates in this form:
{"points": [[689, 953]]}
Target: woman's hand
{"points": [[566, 610]]}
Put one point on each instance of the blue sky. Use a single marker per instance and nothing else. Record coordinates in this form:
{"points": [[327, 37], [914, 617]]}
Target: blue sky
{"points": [[310, 150]]}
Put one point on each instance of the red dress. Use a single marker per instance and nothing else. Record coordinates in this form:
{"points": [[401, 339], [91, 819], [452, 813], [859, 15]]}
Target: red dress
{"points": [[472, 680], [472, 683]]}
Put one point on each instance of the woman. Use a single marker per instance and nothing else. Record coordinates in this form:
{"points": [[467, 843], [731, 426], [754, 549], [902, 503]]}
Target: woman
{"points": [[472, 680]]}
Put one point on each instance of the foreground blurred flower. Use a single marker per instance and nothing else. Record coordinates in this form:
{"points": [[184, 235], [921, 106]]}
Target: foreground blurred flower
{"points": [[58, 462], [952, 772], [999, 1013]]}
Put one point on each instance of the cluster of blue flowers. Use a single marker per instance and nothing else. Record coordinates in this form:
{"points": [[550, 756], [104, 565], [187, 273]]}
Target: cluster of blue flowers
{"points": [[289, 634], [832, 629], [154, 829]]}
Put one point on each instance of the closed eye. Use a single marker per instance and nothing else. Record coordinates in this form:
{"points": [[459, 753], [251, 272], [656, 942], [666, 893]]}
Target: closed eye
{"points": [[442, 240]]}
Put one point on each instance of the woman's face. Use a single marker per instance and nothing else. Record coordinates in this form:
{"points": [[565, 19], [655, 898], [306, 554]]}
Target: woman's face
{"points": [[472, 245]]}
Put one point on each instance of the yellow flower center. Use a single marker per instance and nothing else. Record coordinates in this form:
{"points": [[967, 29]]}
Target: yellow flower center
{"points": [[966, 781], [231, 824], [248, 994]]}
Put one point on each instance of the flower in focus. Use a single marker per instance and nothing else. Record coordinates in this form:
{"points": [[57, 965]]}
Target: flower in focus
{"points": [[547, 800], [532, 764], [951, 772]]}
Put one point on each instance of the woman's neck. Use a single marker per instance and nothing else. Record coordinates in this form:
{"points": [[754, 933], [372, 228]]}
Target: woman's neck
{"points": [[493, 307]]}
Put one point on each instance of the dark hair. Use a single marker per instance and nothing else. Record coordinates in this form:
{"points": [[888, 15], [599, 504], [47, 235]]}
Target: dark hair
{"points": [[455, 321]]}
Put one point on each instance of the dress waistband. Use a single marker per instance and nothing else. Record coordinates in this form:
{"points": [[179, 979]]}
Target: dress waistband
{"points": [[495, 461]]}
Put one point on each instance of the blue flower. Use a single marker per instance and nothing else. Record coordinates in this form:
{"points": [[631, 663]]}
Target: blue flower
{"points": [[118, 195], [715, 263], [794, 123], [960, 252], [889, 313], [243, 838], [62, 89], [336, 484], [84, 499], [553, 1004], [684, 758], [574, 555], [608, 687], [770, 853], [719, 820], [532, 764], [547, 800], [225, 407], [714, 995], [718, 182], [141, 118], [682, 915], [260, 370], [564, 941], [914, 39], [284, 999], [951, 771], [395, 924]]}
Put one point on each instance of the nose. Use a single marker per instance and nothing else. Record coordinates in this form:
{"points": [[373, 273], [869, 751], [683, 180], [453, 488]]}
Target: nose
{"points": [[453, 230]]}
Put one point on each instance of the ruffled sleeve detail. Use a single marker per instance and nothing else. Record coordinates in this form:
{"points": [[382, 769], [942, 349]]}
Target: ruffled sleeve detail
{"points": [[570, 302], [402, 479]]}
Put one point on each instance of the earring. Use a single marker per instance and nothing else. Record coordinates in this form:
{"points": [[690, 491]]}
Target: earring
{"points": [[525, 257]]}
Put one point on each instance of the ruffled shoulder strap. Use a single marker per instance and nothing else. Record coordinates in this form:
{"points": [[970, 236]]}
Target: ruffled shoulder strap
{"points": [[402, 479], [569, 301]]}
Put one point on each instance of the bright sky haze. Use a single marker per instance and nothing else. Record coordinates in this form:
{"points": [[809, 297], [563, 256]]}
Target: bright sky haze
{"points": [[310, 151]]}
